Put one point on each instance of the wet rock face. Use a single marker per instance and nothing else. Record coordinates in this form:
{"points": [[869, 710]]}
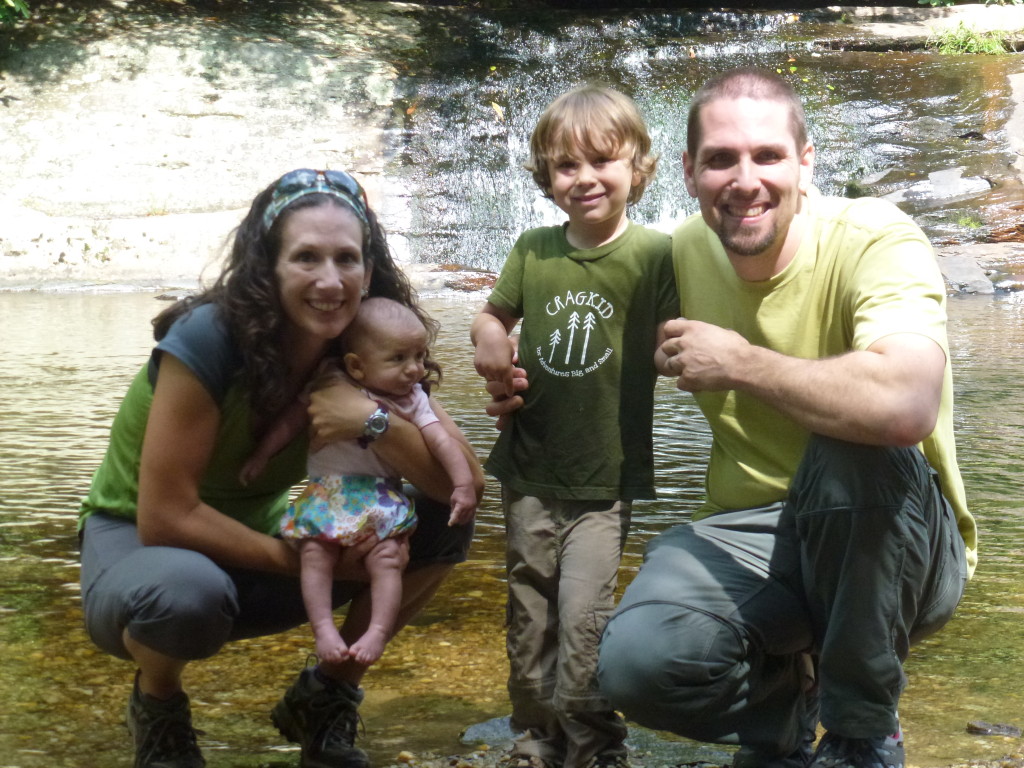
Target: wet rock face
{"points": [[188, 113], [161, 114]]}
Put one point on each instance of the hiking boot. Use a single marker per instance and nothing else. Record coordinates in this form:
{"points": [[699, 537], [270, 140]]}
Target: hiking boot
{"points": [[321, 715], [841, 752], [162, 731], [748, 757]]}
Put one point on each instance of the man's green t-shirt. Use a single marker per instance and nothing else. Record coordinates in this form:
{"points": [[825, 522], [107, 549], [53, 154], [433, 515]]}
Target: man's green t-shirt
{"points": [[863, 271], [590, 321]]}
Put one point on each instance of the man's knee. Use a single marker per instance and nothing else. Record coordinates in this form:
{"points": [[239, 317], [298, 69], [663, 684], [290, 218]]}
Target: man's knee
{"points": [[836, 474], [662, 664]]}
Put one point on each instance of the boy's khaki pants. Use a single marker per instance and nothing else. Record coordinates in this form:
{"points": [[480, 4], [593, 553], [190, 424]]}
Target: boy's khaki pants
{"points": [[562, 563]]}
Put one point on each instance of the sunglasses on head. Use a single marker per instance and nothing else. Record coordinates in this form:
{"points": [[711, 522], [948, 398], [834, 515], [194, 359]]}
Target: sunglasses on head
{"points": [[306, 181]]}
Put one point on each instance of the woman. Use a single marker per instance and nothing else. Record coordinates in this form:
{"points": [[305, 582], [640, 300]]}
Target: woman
{"points": [[178, 557]]}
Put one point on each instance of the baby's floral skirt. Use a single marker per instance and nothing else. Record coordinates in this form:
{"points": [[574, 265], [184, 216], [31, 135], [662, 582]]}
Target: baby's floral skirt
{"points": [[346, 509]]}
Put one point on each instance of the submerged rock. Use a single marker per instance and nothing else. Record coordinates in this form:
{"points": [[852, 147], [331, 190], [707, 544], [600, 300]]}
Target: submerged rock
{"points": [[944, 185]]}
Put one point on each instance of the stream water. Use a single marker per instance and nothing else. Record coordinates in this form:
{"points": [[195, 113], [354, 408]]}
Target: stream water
{"points": [[468, 95], [61, 701]]}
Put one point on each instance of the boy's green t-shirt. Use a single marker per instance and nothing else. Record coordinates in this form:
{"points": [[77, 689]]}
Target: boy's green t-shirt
{"points": [[587, 340], [864, 270]]}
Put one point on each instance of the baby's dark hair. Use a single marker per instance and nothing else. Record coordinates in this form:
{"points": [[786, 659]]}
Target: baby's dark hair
{"points": [[377, 312], [597, 120]]}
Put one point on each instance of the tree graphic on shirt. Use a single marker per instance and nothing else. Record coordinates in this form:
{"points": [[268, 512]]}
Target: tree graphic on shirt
{"points": [[588, 325], [556, 336], [574, 321]]}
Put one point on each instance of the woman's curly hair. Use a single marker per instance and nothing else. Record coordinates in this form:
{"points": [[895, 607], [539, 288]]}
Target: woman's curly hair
{"points": [[247, 292]]}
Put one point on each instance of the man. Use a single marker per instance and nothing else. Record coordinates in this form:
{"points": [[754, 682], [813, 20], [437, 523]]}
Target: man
{"points": [[835, 531]]}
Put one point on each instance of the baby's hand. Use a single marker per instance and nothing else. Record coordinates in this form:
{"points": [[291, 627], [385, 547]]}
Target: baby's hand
{"points": [[463, 505], [252, 469]]}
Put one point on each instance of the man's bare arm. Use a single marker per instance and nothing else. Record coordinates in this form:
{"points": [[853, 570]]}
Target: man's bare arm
{"points": [[886, 395]]}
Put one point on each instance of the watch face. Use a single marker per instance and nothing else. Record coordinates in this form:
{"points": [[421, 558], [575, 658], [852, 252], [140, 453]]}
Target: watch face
{"points": [[377, 423]]}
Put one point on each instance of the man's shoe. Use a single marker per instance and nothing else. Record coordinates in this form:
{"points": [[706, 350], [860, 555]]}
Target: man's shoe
{"points": [[322, 716], [748, 757], [840, 752], [162, 731]]}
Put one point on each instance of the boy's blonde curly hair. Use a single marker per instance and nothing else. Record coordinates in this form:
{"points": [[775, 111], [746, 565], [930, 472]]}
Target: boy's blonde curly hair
{"points": [[597, 120]]}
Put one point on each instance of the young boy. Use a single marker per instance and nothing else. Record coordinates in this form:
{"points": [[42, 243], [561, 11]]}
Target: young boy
{"points": [[592, 294]]}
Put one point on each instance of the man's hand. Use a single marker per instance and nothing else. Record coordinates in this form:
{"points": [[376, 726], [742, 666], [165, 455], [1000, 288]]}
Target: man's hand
{"points": [[701, 356], [887, 394]]}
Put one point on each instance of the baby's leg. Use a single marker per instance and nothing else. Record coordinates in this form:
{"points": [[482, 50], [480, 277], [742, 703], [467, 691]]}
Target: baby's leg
{"points": [[318, 559], [384, 568]]}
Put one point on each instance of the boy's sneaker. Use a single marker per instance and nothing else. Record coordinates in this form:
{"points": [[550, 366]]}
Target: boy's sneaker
{"points": [[322, 716], [515, 760], [162, 731], [841, 752]]}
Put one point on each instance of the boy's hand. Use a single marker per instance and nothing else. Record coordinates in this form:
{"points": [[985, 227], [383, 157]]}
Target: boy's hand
{"points": [[502, 405], [494, 362], [463, 505]]}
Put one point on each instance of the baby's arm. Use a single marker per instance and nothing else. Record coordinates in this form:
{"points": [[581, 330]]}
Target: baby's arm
{"points": [[292, 421], [446, 450], [495, 351]]}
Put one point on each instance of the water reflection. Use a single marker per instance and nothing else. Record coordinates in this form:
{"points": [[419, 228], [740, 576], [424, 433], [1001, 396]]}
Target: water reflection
{"points": [[62, 376]]}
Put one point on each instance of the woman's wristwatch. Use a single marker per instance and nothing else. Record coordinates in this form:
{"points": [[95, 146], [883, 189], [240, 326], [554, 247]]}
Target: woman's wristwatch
{"points": [[376, 424]]}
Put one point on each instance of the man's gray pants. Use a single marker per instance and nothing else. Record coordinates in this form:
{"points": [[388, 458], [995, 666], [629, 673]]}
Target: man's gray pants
{"points": [[861, 561]]}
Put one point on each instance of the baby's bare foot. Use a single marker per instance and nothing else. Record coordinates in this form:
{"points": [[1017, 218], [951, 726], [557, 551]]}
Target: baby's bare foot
{"points": [[331, 648], [368, 648]]}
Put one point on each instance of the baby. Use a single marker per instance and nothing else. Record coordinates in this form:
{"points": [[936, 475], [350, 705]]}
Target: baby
{"points": [[352, 494]]}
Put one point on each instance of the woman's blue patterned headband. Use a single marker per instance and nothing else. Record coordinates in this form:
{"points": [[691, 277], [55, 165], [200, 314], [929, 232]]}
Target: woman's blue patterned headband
{"points": [[306, 181]]}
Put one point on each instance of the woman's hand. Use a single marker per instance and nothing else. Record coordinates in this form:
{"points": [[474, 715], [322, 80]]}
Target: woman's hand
{"points": [[351, 565], [338, 412]]}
